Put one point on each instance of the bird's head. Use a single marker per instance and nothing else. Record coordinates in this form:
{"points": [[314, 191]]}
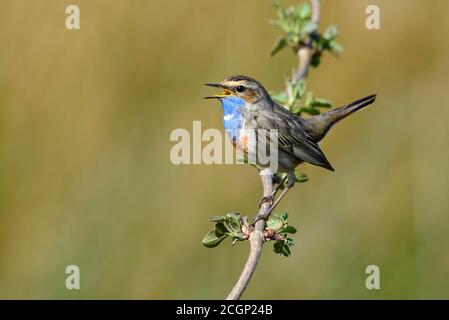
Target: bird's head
{"points": [[244, 88]]}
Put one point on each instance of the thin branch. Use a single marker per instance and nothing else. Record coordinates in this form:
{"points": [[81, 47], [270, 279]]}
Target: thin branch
{"points": [[257, 238], [304, 58], [306, 52], [316, 11]]}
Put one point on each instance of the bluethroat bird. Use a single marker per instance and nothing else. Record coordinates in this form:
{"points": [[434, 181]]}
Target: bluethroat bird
{"points": [[247, 106]]}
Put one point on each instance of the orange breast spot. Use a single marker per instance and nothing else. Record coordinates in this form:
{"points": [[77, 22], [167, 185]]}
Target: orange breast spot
{"points": [[242, 142], [245, 141]]}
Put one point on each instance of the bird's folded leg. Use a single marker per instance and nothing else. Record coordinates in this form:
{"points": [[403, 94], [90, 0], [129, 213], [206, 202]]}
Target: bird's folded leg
{"points": [[277, 178], [271, 197], [284, 192], [268, 199], [291, 182], [273, 206]]}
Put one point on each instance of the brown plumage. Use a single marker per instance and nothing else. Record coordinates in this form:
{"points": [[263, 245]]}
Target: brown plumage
{"points": [[318, 126], [297, 137]]}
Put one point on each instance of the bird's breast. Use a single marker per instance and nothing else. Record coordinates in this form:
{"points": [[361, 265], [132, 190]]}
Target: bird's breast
{"points": [[234, 110], [241, 137], [233, 124]]}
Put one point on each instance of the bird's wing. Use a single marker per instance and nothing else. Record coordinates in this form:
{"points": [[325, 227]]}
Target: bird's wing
{"points": [[305, 150], [292, 138]]}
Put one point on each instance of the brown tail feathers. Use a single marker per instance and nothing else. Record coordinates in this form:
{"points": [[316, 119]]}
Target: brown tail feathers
{"points": [[319, 125]]}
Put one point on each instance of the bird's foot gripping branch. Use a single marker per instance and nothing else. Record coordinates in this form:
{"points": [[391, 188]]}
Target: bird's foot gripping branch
{"points": [[236, 227]]}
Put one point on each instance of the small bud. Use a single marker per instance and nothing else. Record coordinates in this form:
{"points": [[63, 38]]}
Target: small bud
{"points": [[246, 230], [268, 234]]}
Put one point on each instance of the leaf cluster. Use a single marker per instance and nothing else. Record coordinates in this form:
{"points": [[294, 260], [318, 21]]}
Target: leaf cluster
{"points": [[299, 30], [231, 225], [298, 100], [279, 229], [236, 227]]}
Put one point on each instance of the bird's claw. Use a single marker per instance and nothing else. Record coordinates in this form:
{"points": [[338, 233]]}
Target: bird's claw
{"points": [[277, 178], [266, 199], [257, 218]]}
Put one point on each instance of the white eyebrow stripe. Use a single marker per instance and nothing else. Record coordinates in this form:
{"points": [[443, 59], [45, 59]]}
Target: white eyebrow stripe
{"points": [[228, 117]]}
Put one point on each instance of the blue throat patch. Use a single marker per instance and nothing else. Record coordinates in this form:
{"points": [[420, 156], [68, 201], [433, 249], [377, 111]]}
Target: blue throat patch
{"points": [[232, 116]]}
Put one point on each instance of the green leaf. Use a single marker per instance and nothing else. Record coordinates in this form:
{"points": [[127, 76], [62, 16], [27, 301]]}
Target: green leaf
{"points": [[286, 250], [211, 240], [234, 219], [232, 229], [301, 87], [233, 225], [280, 247], [298, 89], [277, 247], [301, 177], [217, 219], [308, 27], [335, 46], [290, 229], [290, 92], [275, 223], [295, 90], [311, 111], [280, 44], [304, 11], [321, 103], [331, 32], [309, 99], [279, 97], [220, 229], [284, 216], [296, 109], [232, 215], [316, 60]]}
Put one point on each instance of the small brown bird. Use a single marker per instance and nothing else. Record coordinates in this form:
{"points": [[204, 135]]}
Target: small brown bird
{"points": [[247, 106]]}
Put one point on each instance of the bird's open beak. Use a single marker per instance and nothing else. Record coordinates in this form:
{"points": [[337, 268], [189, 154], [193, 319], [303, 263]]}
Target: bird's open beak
{"points": [[225, 93]]}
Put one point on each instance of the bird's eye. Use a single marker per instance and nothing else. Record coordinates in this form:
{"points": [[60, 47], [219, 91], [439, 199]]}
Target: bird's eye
{"points": [[240, 89]]}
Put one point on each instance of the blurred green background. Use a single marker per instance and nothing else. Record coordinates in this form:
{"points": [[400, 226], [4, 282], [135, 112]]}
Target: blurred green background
{"points": [[86, 179]]}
